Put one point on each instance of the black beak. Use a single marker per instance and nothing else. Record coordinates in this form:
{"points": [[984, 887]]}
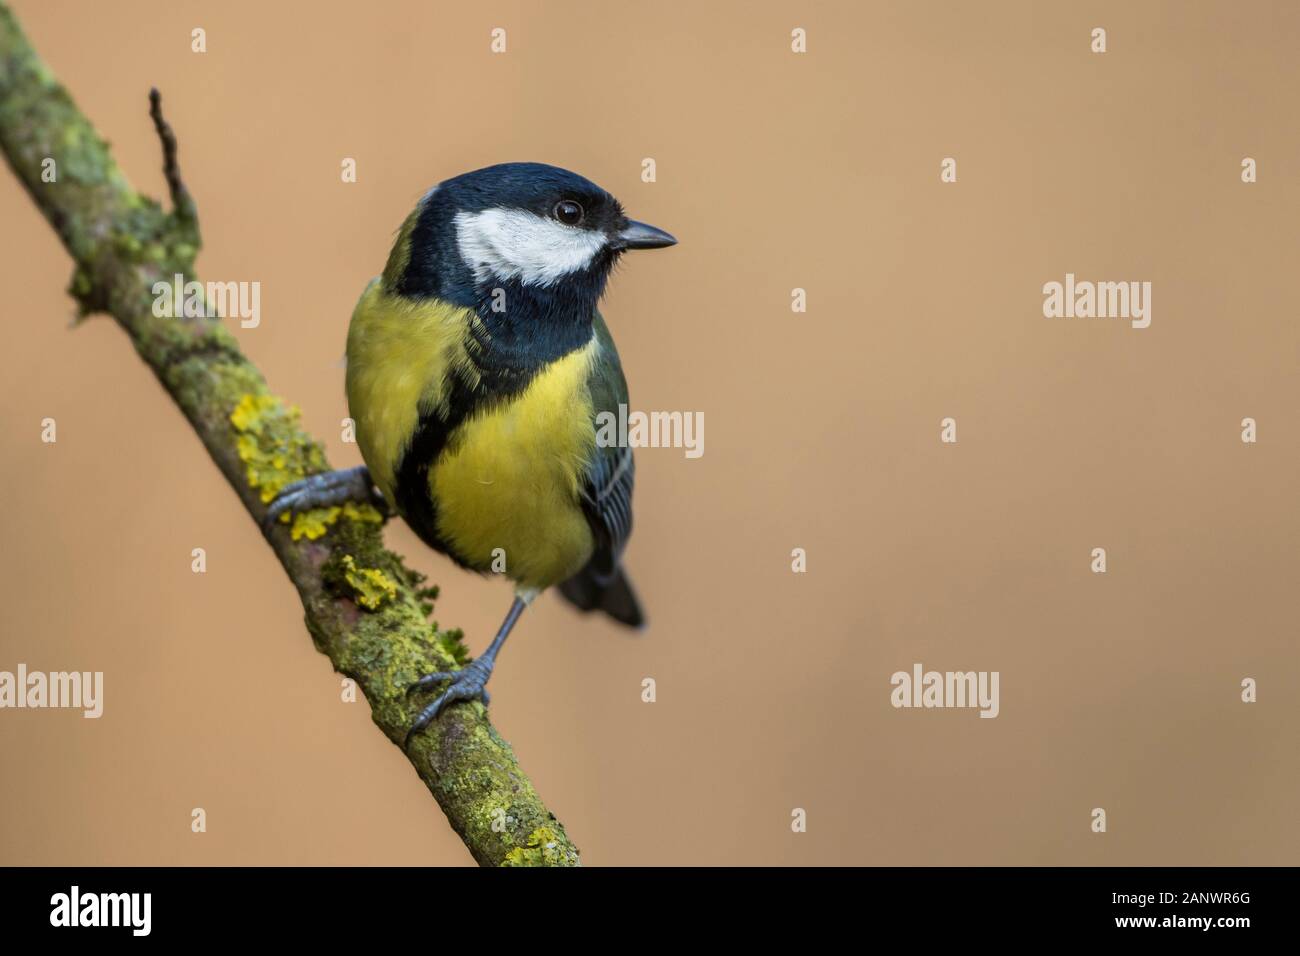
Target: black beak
{"points": [[639, 235]]}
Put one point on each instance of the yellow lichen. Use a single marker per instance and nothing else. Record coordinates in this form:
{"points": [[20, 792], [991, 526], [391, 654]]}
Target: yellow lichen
{"points": [[371, 587], [274, 449], [314, 523], [544, 848]]}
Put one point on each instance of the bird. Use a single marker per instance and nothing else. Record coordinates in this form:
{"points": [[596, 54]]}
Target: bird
{"points": [[477, 366]]}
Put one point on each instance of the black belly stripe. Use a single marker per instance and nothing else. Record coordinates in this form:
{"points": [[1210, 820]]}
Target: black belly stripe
{"points": [[414, 501]]}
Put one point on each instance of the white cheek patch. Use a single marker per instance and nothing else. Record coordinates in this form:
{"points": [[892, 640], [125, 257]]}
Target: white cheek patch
{"points": [[507, 244]]}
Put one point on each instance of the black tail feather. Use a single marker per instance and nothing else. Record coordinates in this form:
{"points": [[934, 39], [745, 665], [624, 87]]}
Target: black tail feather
{"points": [[613, 595]]}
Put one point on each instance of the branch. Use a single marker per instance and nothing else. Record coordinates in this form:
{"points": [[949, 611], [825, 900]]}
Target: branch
{"points": [[364, 608], [181, 201]]}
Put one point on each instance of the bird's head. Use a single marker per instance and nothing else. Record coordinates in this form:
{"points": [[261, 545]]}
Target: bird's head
{"points": [[524, 227]]}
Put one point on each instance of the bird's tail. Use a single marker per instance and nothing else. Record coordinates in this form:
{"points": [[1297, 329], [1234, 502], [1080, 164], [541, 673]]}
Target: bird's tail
{"points": [[612, 594]]}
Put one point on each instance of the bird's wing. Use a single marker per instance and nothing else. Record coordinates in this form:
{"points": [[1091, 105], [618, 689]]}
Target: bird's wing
{"points": [[607, 502], [606, 491]]}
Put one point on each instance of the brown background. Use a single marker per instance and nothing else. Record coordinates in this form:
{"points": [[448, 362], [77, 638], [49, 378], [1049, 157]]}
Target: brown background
{"points": [[775, 171]]}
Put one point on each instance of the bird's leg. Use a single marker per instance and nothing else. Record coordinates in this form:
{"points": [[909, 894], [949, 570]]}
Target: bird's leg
{"points": [[324, 491], [468, 683]]}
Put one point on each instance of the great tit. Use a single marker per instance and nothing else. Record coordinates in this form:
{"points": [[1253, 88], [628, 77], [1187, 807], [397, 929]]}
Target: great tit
{"points": [[476, 366]]}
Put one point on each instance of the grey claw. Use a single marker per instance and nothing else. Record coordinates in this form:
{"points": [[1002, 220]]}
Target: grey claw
{"points": [[323, 491], [428, 680], [467, 684]]}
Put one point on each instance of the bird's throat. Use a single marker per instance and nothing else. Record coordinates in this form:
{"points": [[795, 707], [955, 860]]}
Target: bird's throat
{"points": [[524, 328]]}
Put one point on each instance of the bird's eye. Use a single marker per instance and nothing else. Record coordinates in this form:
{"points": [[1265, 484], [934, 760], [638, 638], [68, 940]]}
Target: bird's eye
{"points": [[568, 212]]}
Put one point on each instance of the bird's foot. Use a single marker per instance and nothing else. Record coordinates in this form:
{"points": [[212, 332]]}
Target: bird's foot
{"points": [[468, 683], [326, 490]]}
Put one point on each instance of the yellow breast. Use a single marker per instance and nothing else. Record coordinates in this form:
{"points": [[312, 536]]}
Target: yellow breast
{"points": [[400, 353], [509, 478], [506, 486]]}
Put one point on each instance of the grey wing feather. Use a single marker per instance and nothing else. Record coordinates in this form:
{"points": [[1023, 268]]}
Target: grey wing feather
{"points": [[607, 501]]}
